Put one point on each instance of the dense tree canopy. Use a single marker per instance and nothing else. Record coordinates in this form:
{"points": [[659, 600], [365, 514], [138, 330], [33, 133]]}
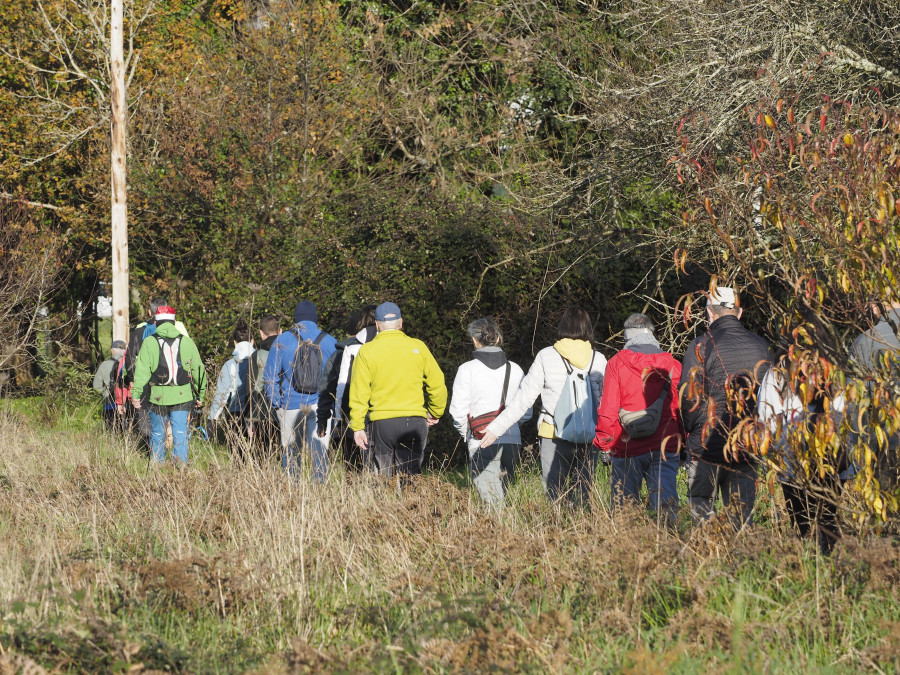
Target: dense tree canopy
{"points": [[501, 157]]}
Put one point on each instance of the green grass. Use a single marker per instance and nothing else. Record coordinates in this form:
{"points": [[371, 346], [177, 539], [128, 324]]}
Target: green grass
{"points": [[224, 567]]}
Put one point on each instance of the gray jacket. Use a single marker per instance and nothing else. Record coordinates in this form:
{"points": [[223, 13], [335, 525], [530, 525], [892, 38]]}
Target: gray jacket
{"points": [[867, 346], [103, 379]]}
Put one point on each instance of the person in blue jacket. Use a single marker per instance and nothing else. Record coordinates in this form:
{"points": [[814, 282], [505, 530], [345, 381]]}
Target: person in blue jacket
{"points": [[296, 410]]}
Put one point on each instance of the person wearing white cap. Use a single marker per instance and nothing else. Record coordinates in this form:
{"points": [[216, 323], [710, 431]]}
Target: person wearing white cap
{"points": [[726, 360]]}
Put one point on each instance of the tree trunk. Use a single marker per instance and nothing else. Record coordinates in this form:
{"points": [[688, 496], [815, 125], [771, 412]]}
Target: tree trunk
{"points": [[118, 172]]}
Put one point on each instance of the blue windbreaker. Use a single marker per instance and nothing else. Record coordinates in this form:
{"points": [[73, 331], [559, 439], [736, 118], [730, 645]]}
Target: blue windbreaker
{"points": [[280, 367]]}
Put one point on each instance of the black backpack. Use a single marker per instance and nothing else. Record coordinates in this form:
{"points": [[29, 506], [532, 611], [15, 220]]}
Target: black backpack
{"points": [[308, 364], [169, 371]]}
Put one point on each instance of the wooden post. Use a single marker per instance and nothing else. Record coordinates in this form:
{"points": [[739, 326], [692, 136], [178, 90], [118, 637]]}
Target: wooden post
{"points": [[118, 172]]}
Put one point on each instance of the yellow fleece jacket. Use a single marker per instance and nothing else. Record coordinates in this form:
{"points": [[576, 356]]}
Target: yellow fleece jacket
{"points": [[395, 375]]}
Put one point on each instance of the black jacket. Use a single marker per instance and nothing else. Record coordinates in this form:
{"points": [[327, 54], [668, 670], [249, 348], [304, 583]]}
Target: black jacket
{"points": [[727, 357]]}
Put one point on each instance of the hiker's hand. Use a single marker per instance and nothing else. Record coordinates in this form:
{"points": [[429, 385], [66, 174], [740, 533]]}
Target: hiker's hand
{"points": [[431, 421], [120, 409], [198, 405], [605, 458], [487, 440], [136, 402], [320, 431], [360, 438]]}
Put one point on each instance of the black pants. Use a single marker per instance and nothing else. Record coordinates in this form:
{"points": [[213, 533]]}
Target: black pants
{"points": [[399, 444], [814, 509], [265, 434], [355, 458]]}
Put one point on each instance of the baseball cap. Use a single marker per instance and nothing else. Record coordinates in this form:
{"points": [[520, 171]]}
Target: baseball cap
{"points": [[387, 311], [722, 296]]}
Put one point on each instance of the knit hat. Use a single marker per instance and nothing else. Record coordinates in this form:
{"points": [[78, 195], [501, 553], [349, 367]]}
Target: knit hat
{"points": [[306, 311], [118, 344], [387, 311], [722, 296], [165, 313]]}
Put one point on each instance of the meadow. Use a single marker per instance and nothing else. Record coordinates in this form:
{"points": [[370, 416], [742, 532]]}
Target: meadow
{"points": [[108, 564]]}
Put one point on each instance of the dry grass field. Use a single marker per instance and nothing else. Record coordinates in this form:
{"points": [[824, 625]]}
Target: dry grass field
{"points": [[109, 565]]}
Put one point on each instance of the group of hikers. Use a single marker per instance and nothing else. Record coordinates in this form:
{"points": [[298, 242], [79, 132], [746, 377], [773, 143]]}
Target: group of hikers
{"points": [[375, 394]]}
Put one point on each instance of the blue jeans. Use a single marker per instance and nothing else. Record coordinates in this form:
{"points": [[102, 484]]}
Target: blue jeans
{"points": [[298, 424], [629, 472], [179, 421]]}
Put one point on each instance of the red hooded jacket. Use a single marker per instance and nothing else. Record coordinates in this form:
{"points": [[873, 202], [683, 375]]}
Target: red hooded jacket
{"points": [[624, 386]]}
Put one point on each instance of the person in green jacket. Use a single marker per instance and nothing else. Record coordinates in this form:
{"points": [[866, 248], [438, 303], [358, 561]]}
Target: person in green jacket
{"points": [[169, 376], [399, 387]]}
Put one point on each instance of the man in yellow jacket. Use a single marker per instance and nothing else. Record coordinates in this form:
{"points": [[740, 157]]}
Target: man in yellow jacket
{"points": [[396, 389]]}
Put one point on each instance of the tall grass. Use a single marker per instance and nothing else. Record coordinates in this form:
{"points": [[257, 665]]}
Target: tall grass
{"points": [[110, 564]]}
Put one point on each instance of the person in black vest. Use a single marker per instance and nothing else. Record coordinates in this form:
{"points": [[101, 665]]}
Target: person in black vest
{"points": [[719, 367]]}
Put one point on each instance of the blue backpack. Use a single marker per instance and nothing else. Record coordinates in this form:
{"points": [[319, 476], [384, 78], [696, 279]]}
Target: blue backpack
{"points": [[575, 416]]}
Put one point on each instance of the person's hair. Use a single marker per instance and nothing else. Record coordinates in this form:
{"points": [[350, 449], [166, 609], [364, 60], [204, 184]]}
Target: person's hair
{"points": [[576, 325], [393, 324], [366, 317], [269, 325], [156, 303], [639, 321], [241, 331], [486, 332], [719, 311]]}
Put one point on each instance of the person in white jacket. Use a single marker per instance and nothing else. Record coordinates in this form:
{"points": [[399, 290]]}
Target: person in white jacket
{"points": [[478, 390], [233, 386], [567, 468]]}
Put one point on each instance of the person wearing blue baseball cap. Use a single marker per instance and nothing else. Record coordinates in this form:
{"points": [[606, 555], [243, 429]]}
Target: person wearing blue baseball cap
{"points": [[397, 391]]}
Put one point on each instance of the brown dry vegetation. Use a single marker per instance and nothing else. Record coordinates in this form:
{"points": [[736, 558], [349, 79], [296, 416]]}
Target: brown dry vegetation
{"points": [[107, 565]]}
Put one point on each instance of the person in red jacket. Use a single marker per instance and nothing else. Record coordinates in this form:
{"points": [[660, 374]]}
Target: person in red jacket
{"points": [[640, 396]]}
